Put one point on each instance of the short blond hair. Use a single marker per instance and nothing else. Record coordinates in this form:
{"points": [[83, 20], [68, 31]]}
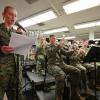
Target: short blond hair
{"points": [[7, 8]]}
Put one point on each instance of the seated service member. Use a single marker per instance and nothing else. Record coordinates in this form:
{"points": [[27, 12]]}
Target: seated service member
{"points": [[75, 60], [59, 70]]}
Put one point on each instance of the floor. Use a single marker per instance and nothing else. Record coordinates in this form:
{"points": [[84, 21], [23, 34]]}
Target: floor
{"points": [[45, 96], [51, 96], [41, 95]]}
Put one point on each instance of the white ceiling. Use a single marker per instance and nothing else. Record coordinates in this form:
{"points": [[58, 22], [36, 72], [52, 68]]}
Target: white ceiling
{"points": [[25, 10]]}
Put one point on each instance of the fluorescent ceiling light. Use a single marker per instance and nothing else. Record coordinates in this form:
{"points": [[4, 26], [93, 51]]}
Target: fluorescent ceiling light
{"points": [[86, 25], [80, 5], [68, 38], [56, 30], [44, 17], [98, 23], [33, 20], [27, 22], [98, 39]]}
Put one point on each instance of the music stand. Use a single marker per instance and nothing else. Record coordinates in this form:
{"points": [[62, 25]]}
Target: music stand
{"points": [[17, 76], [45, 89], [93, 55]]}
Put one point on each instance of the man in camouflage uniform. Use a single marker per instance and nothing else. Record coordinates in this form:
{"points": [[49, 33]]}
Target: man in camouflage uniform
{"points": [[91, 70], [40, 55], [75, 60], [9, 72], [59, 70]]}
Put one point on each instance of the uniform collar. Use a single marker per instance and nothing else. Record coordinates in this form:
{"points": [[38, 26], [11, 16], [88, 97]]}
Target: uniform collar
{"points": [[2, 25]]}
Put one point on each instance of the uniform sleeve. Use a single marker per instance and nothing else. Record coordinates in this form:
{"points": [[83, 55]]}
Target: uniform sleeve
{"points": [[66, 52], [1, 35], [0, 48], [0, 41], [75, 57]]}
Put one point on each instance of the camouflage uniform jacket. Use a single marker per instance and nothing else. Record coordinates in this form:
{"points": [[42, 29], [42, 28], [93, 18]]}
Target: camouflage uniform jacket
{"points": [[54, 54], [7, 61], [40, 50], [75, 58]]}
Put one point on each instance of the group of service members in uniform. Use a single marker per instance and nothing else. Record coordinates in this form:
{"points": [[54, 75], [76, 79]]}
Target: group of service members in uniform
{"points": [[53, 53], [66, 60]]}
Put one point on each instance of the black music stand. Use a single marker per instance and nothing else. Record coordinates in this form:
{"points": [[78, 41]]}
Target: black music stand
{"points": [[93, 55], [45, 88], [17, 76]]}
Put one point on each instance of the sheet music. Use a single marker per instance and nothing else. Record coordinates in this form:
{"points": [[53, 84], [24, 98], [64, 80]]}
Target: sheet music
{"points": [[21, 43]]}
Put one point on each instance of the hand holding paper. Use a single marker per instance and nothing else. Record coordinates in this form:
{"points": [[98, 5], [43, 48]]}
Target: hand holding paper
{"points": [[6, 49]]}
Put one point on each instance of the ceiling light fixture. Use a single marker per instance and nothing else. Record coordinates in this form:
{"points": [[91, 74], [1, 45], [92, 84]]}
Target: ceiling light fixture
{"points": [[98, 39], [33, 20], [68, 38], [62, 29], [80, 5], [88, 24]]}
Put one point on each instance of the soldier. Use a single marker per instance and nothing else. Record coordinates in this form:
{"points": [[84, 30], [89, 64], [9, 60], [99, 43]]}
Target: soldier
{"points": [[8, 68], [59, 70], [75, 60], [91, 69], [40, 55]]}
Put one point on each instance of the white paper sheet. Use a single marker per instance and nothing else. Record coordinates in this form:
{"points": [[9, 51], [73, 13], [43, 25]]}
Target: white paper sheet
{"points": [[22, 44]]}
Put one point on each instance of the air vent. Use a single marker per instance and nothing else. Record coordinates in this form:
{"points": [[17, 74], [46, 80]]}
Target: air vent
{"points": [[40, 24], [31, 1]]}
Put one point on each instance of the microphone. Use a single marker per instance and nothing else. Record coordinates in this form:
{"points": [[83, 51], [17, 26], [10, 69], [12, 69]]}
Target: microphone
{"points": [[16, 23]]}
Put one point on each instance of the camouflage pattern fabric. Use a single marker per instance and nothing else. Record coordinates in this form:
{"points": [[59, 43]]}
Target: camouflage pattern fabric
{"points": [[56, 66], [75, 60], [40, 58], [8, 68]]}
